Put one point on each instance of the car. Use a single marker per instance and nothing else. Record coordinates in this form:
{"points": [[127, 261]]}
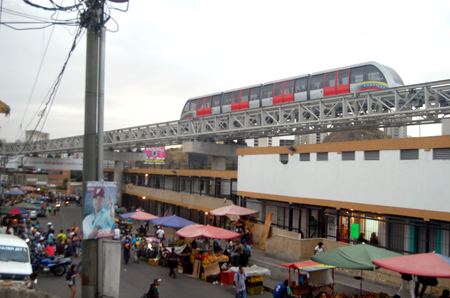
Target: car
{"points": [[40, 211], [15, 264], [33, 214]]}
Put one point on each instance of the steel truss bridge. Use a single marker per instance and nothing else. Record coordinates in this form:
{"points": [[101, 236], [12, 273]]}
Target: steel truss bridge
{"points": [[407, 105]]}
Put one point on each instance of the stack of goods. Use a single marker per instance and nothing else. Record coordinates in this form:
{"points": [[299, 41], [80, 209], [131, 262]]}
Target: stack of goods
{"points": [[255, 285]]}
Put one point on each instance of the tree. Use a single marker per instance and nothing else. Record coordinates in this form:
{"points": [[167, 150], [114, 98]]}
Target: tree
{"points": [[356, 135]]}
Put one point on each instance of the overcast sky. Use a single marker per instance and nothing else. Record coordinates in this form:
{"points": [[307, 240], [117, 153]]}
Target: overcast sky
{"points": [[165, 52]]}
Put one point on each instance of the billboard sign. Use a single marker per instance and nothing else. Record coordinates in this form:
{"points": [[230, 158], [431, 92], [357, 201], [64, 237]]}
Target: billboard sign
{"points": [[155, 155], [98, 221]]}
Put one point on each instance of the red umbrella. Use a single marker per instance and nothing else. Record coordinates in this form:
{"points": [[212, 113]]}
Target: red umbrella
{"points": [[141, 215], [199, 231], [28, 188], [233, 210], [426, 264], [17, 211]]}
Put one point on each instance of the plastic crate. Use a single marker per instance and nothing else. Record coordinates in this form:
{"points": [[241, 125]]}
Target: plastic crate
{"points": [[226, 278], [153, 262], [254, 284], [253, 279], [255, 290], [203, 276]]}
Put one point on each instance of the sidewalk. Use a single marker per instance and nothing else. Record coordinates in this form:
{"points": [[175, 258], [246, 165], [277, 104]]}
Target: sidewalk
{"points": [[344, 283]]}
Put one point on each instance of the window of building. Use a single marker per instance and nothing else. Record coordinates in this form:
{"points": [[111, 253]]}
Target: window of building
{"points": [[304, 156], [441, 153], [409, 154], [322, 156], [348, 155], [372, 155], [284, 158]]}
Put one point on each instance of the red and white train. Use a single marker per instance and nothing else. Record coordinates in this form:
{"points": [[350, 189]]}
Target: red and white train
{"points": [[349, 79]]}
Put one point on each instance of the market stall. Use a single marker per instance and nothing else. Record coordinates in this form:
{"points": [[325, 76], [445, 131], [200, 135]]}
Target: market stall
{"points": [[312, 278]]}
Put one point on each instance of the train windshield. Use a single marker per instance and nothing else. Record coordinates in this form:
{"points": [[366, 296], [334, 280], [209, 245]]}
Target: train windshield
{"points": [[395, 76]]}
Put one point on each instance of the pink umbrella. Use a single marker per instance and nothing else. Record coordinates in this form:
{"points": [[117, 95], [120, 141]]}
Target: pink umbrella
{"points": [[28, 188], [199, 231], [233, 210], [141, 215]]}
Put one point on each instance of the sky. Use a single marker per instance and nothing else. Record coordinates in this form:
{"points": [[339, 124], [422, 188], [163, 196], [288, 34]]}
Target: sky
{"points": [[160, 53]]}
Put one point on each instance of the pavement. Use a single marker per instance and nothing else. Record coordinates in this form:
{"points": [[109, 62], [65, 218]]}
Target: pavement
{"points": [[135, 279]]}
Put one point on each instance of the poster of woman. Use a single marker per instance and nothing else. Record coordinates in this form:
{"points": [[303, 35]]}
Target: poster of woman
{"points": [[98, 219]]}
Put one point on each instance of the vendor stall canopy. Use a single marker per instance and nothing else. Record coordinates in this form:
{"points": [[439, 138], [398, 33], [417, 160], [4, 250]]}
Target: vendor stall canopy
{"points": [[308, 266], [357, 257], [426, 264], [201, 231], [233, 210], [141, 215], [172, 221]]}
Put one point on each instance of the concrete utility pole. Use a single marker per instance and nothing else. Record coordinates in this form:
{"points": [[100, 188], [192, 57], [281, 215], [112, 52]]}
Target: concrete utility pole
{"points": [[92, 19]]}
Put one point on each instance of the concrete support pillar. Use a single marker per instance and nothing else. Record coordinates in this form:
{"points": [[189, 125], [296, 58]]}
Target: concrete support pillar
{"points": [[218, 163], [118, 173], [446, 126]]}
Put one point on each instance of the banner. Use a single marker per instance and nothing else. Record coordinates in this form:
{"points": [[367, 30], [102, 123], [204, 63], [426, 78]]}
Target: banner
{"points": [[98, 221], [155, 155]]}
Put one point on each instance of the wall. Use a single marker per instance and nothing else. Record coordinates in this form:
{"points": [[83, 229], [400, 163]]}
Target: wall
{"points": [[388, 185], [14, 292]]}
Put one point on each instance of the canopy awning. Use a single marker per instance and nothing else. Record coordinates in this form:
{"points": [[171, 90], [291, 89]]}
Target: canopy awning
{"points": [[199, 231], [141, 215], [172, 221], [233, 210], [308, 266]]}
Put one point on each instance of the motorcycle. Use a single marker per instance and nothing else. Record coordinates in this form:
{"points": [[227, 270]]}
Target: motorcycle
{"points": [[67, 202], [57, 266]]}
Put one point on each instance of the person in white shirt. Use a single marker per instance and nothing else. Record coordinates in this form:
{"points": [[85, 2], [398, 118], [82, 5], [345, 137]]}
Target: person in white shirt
{"points": [[319, 248], [160, 233]]}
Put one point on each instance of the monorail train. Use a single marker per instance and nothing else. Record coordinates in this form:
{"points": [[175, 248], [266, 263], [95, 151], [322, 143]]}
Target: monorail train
{"points": [[349, 79]]}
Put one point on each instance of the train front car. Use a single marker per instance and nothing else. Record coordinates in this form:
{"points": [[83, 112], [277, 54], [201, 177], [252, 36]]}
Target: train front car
{"points": [[202, 106]]}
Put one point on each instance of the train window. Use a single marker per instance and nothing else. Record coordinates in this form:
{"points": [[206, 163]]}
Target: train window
{"points": [[267, 91], [192, 105], [216, 100], [317, 82], [301, 85], [186, 107], [330, 79], [357, 74], [208, 102], [236, 96], [226, 99], [374, 74], [278, 89], [254, 93], [200, 104], [343, 77], [244, 95], [289, 87]]}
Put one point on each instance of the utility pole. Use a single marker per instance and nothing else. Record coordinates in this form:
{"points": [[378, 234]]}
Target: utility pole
{"points": [[92, 19]]}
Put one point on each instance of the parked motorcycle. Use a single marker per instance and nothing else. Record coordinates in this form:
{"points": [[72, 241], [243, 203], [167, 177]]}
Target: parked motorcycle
{"points": [[57, 266], [67, 202]]}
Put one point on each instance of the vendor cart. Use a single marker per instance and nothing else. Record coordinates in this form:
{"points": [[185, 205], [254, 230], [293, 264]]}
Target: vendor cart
{"points": [[312, 278]]}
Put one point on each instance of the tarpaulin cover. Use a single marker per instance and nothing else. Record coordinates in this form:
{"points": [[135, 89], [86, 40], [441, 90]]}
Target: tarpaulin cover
{"points": [[27, 206], [357, 257], [199, 231], [15, 192], [172, 222], [141, 215], [233, 210], [308, 266], [426, 264], [252, 271]]}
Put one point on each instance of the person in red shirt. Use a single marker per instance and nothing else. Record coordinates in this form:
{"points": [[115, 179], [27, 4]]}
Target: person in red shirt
{"points": [[50, 250]]}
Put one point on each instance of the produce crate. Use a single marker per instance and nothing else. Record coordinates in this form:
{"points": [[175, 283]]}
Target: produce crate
{"points": [[254, 284], [226, 278], [203, 276], [153, 262], [255, 290], [253, 279]]}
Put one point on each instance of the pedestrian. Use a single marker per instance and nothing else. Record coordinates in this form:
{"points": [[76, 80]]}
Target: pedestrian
{"points": [[445, 294], [50, 250], [239, 282], [54, 208], [61, 236], [373, 239], [173, 261], [153, 292], [70, 279], [319, 248], [31, 283], [281, 290], [407, 280], [126, 244], [361, 238], [246, 255], [160, 233], [136, 247], [48, 210]]}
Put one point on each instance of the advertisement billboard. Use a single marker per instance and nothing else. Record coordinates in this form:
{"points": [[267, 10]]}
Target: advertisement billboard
{"points": [[98, 221], [155, 155]]}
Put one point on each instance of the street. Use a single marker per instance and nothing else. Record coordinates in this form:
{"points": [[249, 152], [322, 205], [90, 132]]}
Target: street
{"points": [[135, 279]]}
